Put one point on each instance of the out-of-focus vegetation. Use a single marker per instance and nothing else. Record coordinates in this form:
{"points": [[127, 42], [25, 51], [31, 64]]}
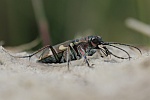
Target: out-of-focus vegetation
{"points": [[19, 21]]}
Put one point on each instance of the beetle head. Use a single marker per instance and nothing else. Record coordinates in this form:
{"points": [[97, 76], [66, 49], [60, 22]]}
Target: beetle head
{"points": [[95, 41]]}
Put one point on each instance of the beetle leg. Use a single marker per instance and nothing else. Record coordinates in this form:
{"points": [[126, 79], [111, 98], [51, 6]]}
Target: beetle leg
{"points": [[30, 54], [74, 53], [46, 47], [82, 52], [55, 54], [68, 56], [44, 53]]}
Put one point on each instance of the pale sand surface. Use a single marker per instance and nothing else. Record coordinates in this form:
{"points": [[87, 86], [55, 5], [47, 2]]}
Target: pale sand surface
{"points": [[110, 79]]}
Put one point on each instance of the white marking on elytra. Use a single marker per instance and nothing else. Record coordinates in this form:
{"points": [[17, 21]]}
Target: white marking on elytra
{"points": [[62, 47]]}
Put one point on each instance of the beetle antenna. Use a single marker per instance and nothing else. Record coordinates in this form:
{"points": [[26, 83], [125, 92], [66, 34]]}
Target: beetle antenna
{"points": [[117, 48], [124, 45], [110, 53], [122, 50], [118, 56], [107, 52]]}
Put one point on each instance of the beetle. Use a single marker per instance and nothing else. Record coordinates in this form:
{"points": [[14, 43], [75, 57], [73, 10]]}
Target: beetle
{"points": [[77, 49]]}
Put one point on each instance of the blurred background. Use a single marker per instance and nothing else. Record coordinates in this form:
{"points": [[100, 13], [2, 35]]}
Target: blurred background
{"points": [[55, 21]]}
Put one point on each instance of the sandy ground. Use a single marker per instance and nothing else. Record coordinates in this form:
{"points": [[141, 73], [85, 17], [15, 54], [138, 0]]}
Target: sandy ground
{"points": [[110, 79]]}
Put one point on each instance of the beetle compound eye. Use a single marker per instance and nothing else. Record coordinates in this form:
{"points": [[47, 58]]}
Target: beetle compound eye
{"points": [[95, 41]]}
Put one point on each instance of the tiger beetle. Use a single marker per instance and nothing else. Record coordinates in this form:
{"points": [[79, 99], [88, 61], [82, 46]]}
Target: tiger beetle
{"points": [[77, 49]]}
